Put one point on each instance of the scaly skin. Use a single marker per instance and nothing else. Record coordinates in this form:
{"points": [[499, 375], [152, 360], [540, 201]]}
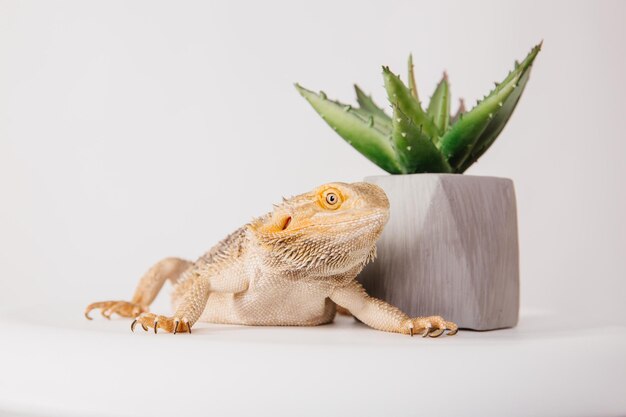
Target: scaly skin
{"points": [[292, 267]]}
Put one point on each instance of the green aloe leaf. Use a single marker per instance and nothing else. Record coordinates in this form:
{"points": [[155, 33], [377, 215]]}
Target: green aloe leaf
{"points": [[415, 150], [494, 128], [382, 123], [500, 119], [459, 112], [474, 132], [439, 106], [412, 84], [360, 131], [366, 103], [399, 95]]}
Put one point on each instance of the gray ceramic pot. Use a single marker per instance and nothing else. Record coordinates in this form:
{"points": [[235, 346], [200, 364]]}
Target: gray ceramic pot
{"points": [[450, 249]]}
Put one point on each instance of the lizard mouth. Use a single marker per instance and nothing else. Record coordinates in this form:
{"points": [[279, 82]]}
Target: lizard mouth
{"points": [[286, 223], [375, 217]]}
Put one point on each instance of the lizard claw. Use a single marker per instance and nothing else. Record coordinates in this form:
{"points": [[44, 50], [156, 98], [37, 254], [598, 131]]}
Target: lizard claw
{"points": [[433, 326], [177, 323], [134, 323], [436, 333], [169, 324]]}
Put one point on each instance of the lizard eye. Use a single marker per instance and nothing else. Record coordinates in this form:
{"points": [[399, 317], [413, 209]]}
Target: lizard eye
{"points": [[331, 199]]}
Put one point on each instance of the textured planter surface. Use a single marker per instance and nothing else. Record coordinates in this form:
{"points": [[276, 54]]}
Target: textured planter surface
{"points": [[450, 249]]}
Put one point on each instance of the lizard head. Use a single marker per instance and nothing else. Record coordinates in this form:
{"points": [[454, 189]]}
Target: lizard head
{"points": [[333, 227]]}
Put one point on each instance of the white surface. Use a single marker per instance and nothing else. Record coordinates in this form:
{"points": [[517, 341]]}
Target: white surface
{"points": [[63, 365], [131, 131]]}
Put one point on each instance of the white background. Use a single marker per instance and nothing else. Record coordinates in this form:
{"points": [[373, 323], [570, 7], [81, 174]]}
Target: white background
{"points": [[131, 131]]}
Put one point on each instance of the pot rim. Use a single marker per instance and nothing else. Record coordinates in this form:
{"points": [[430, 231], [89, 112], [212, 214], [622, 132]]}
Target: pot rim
{"points": [[446, 175]]}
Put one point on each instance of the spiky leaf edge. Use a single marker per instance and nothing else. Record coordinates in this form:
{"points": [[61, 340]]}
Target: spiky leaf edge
{"points": [[461, 139], [367, 104], [362, 133], [499, 121], [398, 94]]}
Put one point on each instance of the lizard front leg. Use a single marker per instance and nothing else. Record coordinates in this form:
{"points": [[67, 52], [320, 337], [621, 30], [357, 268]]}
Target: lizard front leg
{"points": [[187, 313], [383, 316], [190, 296]]}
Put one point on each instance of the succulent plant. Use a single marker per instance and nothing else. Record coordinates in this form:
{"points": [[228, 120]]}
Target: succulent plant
{"points": [[415, 139]]}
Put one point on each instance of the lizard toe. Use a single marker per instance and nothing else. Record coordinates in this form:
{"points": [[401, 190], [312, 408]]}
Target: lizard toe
{"points": [[433, 326], [158, 322], [121, 308]]}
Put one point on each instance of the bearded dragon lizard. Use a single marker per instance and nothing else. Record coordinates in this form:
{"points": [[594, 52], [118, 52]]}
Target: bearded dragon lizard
{"points": [[291, 267]]}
